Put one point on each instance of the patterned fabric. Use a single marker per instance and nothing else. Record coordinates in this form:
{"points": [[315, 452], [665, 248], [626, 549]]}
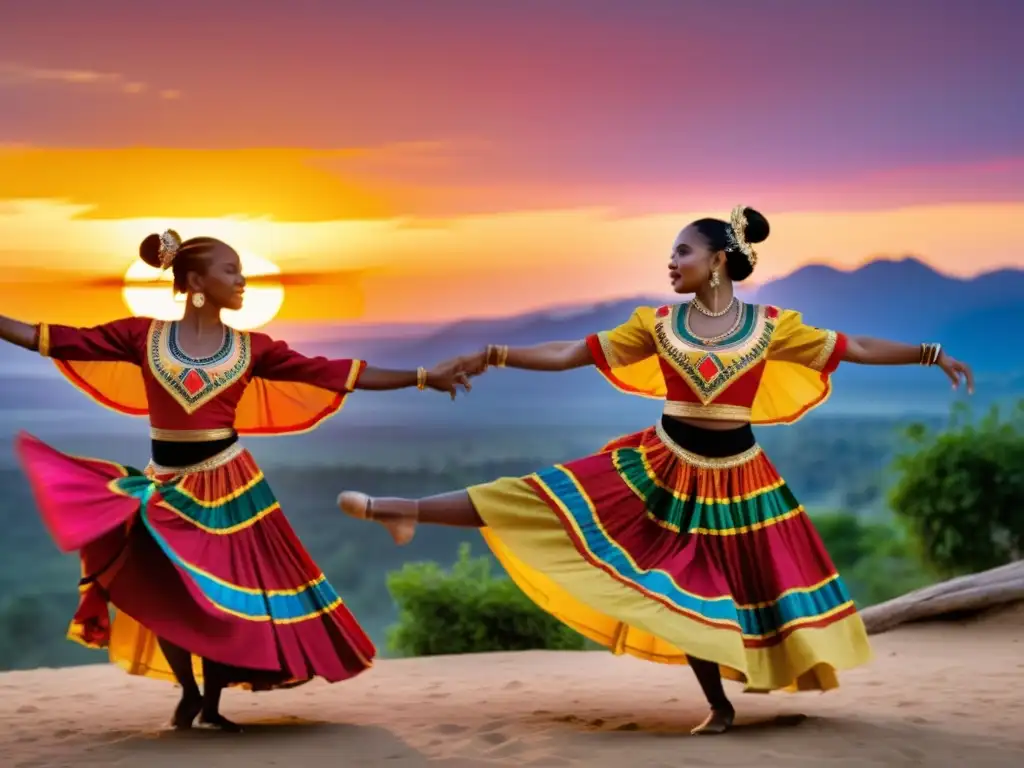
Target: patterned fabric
{"points": [[253, 384], [708, 368], [657, 552], [191, 382], [203, 557], [769, 368]]}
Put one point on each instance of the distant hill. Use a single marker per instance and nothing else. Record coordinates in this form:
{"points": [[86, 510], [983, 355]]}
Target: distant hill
{"points": [[899, 299], [976, 319]]}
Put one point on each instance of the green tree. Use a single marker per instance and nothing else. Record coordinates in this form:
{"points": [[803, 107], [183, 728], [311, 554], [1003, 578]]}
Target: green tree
{"points": [[468, 610], [959, 491]]}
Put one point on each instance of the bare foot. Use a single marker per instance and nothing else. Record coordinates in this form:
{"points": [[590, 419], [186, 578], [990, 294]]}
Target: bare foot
{"points": [[188, 709], [220, 722], [398, 516], [718, 721]]}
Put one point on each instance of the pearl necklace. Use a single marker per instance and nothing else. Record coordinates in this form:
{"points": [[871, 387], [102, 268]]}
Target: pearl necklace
{"points": [[713, 340]]}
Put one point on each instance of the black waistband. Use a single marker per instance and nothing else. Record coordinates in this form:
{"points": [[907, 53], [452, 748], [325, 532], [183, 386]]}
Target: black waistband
{"points": [[712, 443], [171, 454]]}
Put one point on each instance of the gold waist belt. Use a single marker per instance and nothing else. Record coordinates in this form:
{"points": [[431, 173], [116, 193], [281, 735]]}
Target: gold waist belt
{"points": [[191, 435], [683, 410], [230, 453], [706, 462]]}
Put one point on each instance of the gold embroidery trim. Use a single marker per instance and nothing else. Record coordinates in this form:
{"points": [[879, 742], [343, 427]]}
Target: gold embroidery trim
{"points": [[608, 350], [733, 361], [353, 375], [684, 410], [819, 362], [191, 435], [706, 462], [230, 453], [43, 344], [221, 376]]}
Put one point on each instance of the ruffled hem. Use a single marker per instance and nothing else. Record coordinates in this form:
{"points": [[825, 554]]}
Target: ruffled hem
{"points": [[275, 619], [645, 557]]}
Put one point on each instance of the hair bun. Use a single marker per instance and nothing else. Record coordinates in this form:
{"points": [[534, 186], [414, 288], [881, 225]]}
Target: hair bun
{"points": [[757, 228], [149, 250]]}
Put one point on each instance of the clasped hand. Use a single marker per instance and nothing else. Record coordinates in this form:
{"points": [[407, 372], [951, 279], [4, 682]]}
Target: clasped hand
{"points": [[455, 373]]}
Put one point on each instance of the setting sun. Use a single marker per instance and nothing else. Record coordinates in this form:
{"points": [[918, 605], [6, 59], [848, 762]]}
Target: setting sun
{"points": [[147, 292]]}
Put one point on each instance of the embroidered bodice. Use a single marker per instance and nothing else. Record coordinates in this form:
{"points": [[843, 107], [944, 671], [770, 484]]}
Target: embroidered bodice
{"points": [[769, 368], [252, 382], [193, 383]]}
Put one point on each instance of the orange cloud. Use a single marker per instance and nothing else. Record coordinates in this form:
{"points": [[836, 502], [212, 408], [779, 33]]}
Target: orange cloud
{"points": [[429, 180], [55, 261], [283, 184]]}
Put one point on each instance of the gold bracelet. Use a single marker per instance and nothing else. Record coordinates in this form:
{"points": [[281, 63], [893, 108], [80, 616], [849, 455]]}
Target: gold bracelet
{"points": [[930, 354], [496, 355], [421, 378]]}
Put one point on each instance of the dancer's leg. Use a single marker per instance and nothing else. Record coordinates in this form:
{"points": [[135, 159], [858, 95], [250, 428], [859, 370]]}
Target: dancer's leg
{"points": [[400, 516], [722, 713], [191, 702], [215, 680]]}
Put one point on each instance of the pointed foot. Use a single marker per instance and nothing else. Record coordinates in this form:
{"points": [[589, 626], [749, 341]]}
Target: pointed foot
{"points": [[398, 516], [717, 722]]}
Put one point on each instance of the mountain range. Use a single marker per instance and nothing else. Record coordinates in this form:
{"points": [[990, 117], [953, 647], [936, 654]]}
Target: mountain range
{"points": [[976, 319]]}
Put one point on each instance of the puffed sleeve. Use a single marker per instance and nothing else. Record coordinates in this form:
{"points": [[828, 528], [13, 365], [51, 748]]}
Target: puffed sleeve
{"points": [[104, 362], [799, 364], [627, 355], [291, 393], [794, 341], [120, 341]]}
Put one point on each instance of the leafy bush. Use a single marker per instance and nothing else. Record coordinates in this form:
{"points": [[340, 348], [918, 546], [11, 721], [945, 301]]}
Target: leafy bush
{"points": [[876, 562], [961, 491], [468, 610]]}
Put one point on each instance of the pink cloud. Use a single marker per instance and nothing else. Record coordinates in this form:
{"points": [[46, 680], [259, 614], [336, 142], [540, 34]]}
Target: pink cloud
{"points": [[15, 75]]}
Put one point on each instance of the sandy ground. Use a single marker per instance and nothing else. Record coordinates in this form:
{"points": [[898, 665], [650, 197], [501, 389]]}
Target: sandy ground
{"points": [[943, 694]]}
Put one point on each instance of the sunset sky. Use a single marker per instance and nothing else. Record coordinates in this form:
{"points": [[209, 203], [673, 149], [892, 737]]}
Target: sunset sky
{"points": [[452, 158]]}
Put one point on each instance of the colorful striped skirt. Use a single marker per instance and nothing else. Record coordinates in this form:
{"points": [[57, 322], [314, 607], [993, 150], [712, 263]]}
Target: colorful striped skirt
{"points": [[201, 556], [666, 546]]}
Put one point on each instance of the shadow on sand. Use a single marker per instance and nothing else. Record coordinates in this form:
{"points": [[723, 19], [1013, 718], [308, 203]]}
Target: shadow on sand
{"points": [[286, 742], [766, 741]]}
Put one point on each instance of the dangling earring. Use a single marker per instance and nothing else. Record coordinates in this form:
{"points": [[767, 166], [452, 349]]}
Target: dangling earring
{"points": [[714, 282], [198, 300]]}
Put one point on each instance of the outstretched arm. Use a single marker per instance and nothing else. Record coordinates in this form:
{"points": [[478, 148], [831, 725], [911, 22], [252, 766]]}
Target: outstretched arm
{"points": [[441, 378], [865, 350], [822, 350], [18, 333], [276, 361], [624, 345], [550, 356], [116, 341]]}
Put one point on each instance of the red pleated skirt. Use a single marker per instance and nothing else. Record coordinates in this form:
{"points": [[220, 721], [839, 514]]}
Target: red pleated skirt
{"points": [[203, 557]]}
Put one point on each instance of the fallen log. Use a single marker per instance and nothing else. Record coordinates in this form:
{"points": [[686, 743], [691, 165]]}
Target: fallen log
{"points": [[963, 595]]}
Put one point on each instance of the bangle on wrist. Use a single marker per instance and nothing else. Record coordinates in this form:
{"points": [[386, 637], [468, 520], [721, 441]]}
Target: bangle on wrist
{"points": [[930, 354], [497, 355], [421, 378]]}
